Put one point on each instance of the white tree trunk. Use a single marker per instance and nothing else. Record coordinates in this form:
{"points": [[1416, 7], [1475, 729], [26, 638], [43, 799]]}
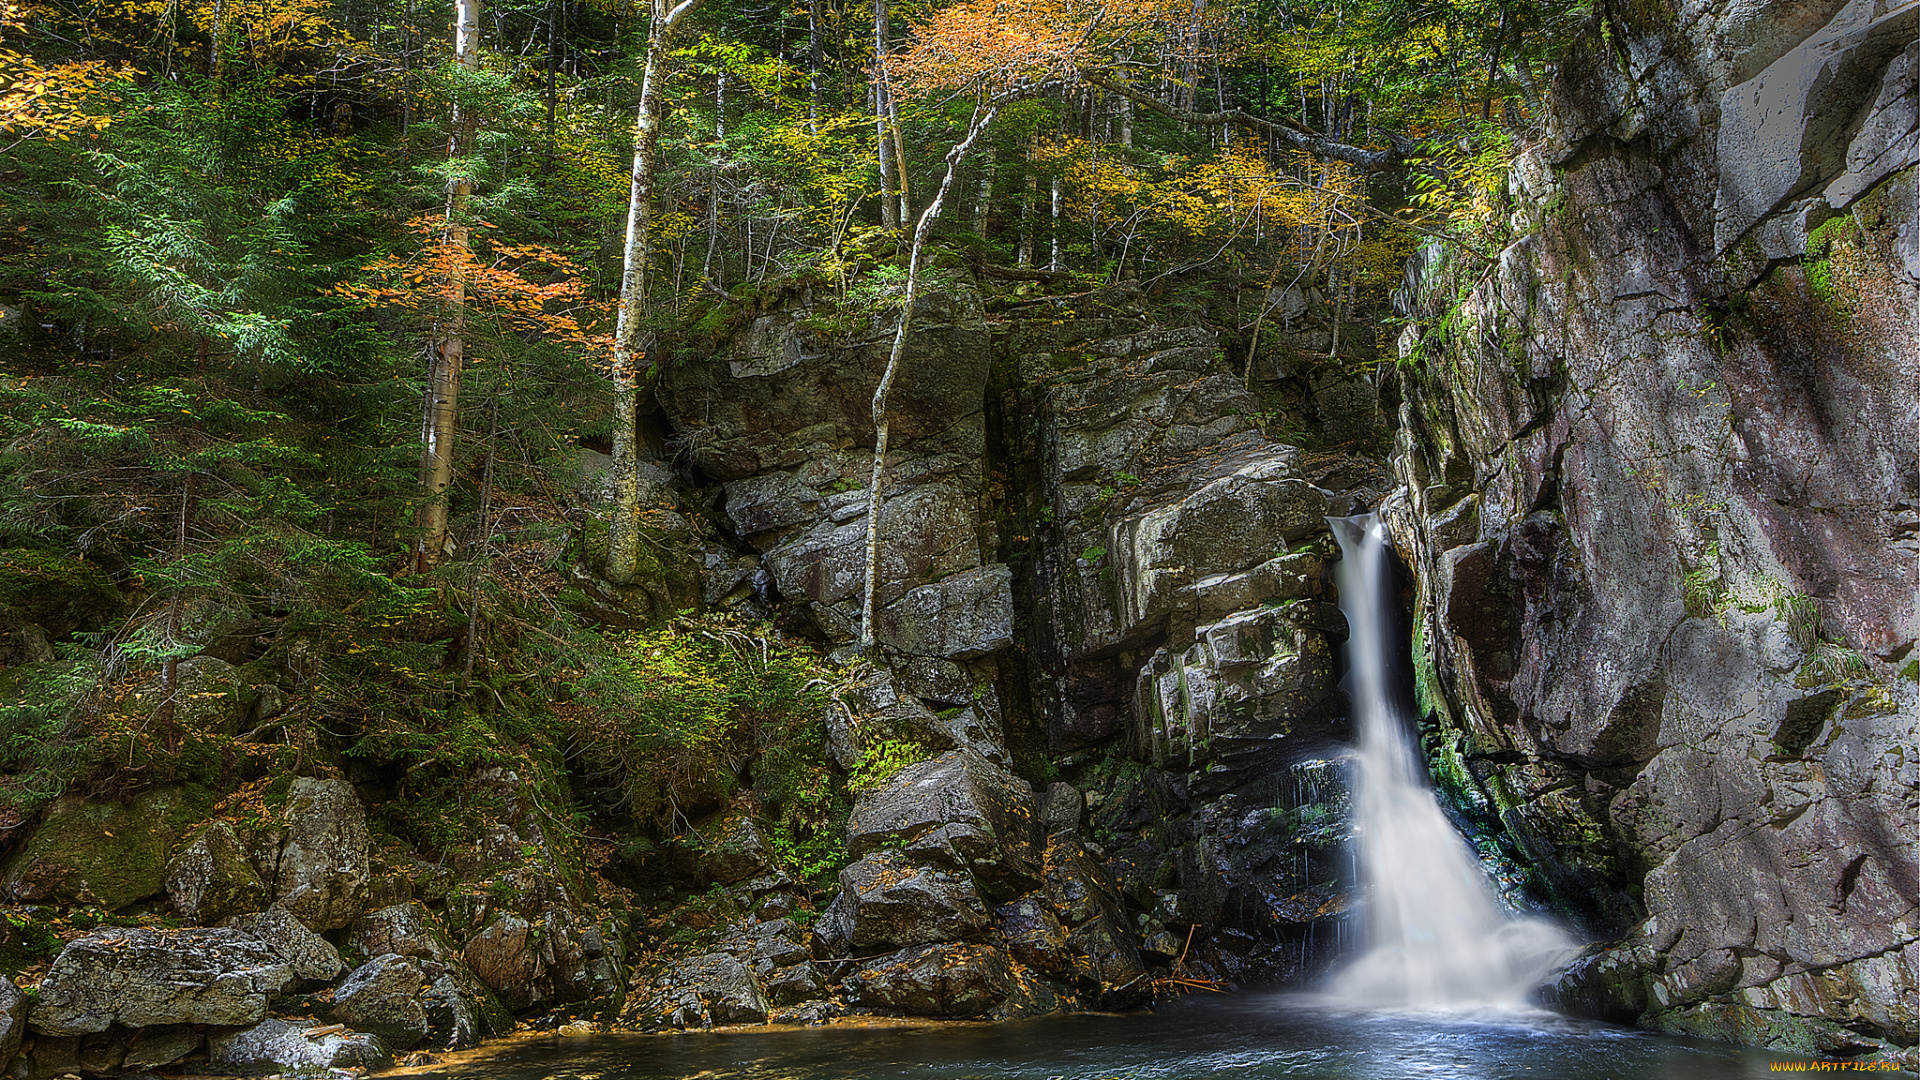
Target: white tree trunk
{"points": [[623, 532], [982, 116], [440, 422]]}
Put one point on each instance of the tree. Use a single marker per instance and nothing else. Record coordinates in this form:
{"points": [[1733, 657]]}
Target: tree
{"points": [[440, 427], [623, 532]]}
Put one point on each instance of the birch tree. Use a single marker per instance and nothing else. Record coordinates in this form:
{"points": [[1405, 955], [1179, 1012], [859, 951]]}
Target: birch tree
{"points": [[629, 350], [439, 427]]}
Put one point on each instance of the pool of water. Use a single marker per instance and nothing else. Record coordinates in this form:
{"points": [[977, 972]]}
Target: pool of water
{"points": [[1253, 1037]]}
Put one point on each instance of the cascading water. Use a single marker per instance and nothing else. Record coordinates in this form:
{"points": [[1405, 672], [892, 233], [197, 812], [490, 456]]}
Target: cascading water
{"points": [[1435, 933]]}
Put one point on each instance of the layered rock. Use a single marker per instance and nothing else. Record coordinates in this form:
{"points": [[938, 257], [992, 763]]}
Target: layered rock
{"points": [[1661, 497]]}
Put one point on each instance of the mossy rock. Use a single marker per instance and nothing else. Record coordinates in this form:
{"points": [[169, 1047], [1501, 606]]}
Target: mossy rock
{"points": [[103, 854], [57, 593]]}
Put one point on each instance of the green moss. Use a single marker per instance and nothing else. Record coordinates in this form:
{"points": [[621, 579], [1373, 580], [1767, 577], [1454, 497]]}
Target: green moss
{"points": [[106, 854], [58, 593]]}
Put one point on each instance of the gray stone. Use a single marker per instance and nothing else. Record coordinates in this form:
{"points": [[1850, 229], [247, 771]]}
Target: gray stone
{"points": [[278, 1046], [407, 929], [213, 878], [892, 902], [956, 981], [142, 978], [959, 617], [323, 873], [985, 811], [157, 1046], [383, 996], [309, 955], [209, 695], [13, 1020], [1224, 528], [705, 991]]}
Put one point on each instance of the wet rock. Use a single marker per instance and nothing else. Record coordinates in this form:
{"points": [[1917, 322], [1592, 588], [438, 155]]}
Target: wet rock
{"points": [[986, 812], [889, 901], [213, 878], [705, 991], [957, 981], [323, 873], [307, 954], [279, 1046], [142, 978], [1063, 807], [1035, 937], [383, 996]]}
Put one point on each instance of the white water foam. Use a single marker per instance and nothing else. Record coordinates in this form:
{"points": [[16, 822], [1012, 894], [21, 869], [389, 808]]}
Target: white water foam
{"points": [[1435, 934]]}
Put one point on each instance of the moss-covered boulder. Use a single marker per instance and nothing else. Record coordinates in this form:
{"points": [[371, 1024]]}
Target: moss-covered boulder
{"points": [[103, 854], [57, 593]]}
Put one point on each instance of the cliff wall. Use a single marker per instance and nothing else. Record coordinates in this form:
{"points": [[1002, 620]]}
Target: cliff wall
{"points": [[1660, 466]]}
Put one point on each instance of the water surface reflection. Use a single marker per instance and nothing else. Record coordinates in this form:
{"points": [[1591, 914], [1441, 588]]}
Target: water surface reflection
{"points": [[1254, 1037]]}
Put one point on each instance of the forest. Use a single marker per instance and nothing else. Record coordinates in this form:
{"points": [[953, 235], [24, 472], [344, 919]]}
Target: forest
{"points": [[600, 517], [311, 308]]}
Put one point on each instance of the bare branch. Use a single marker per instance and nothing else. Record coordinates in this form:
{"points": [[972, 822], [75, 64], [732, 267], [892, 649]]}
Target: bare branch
{"points": [[1300, 138]]}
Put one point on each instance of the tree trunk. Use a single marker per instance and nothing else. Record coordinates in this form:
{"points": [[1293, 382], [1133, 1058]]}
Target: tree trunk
{"points": [[170, 668], [1055, 261], [982, 116], [623, 532], [1027, 206], [889, 210], [440, 424]]}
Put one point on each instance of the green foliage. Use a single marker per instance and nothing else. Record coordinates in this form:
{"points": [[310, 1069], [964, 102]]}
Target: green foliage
{"points": [[881, 760], [42, 748], [677, 712]]}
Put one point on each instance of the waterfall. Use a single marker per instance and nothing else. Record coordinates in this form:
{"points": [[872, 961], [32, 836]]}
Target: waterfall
{"points": [[1435, 934]]}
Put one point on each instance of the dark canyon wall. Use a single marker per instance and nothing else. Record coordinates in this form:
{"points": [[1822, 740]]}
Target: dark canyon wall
{"points": [[1659, 466]]}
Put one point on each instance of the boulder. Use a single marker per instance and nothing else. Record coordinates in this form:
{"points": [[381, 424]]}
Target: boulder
{"points": [[1035, 937], [153, 1047], [956, 981], [705, 991], [323, 874], [736, 851], [959, 617], [210, 695], [101, 854], [309, 955], [279, 1046], [504, 956], [142, 978], [13, 1020], [213, 878], [407, 929], [383, 996], [982, 813], [885, 900], [460, 1008]]}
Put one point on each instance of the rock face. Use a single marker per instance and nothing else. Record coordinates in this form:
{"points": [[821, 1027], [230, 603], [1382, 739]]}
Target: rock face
{"points": [[1181, 633], [145, 978], [1666, 531], [321, 871]]}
